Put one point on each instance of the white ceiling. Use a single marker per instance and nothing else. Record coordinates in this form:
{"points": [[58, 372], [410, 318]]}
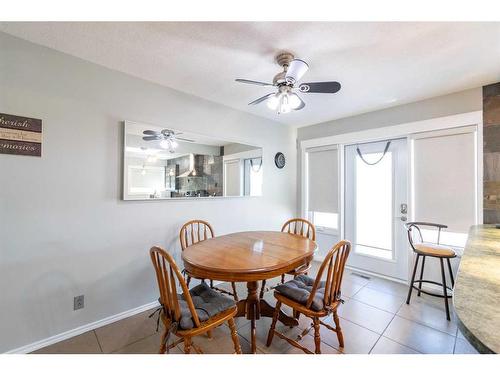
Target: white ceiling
{"points": [[379, 64]]}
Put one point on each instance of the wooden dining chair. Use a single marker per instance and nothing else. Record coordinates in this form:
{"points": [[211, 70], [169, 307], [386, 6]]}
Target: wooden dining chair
{"points": [[314, 298], [302, 228], [195, 231], [192, 313]]}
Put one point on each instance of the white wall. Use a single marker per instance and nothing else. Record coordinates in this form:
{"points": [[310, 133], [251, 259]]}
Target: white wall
{"points": [[64, 230], [446, 105]]}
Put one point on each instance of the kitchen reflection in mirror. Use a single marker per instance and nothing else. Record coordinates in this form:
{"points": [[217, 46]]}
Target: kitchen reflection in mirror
{"points": [[165, 163]]}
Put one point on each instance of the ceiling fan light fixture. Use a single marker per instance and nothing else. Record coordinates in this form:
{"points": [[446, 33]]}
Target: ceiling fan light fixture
{"points": [[165, 143], [273, 102], [169, 144], [152, 159], [294, 101], [284, 103]]}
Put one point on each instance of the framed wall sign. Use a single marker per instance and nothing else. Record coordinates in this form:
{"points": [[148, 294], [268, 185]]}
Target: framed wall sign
{"points": [[20, 135]]}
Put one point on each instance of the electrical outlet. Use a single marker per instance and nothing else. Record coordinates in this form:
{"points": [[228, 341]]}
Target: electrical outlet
{"points": [[78, 302]]}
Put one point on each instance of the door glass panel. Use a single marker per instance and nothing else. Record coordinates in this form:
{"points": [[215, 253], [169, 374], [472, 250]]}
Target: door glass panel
{"points": [[375, 189], [374, 205]]}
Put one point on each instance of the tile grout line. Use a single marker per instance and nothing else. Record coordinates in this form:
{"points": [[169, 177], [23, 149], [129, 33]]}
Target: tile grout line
{"points": [[409, 320], [98, 342], [130, 343], [425, 324], [133, 342], [406, 346], [385, 329], [378, 308], [359, 290], [387, 312]]}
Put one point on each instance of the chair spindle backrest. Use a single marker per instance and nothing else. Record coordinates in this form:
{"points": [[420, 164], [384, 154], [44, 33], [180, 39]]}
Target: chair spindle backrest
{"points": [[301, 227], [166, 274], [195, 231], [334, 265]]}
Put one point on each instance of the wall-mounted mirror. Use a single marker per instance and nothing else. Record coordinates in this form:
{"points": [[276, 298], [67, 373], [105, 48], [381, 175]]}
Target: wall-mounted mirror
{"points": [[165, 163]]}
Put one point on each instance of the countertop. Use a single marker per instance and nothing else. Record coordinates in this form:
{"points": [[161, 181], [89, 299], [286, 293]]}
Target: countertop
{"points": [[476, 295]]}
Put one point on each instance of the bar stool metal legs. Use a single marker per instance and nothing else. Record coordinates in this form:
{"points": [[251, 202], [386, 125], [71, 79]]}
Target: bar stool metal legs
{"points": [[421, 275], [413, 279], [451, 273], [421, 280], [445, 294]]}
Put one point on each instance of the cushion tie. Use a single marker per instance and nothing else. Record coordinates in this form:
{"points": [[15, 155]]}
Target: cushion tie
{"points": [[158, 310], [171, 329]]}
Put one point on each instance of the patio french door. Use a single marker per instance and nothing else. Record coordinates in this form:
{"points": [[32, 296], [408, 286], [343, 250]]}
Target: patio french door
{"points": [[376, 207]]}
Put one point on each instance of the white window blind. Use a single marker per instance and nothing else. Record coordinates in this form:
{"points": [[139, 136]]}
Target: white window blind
{"points": [[232, 178], [445, 178], [323, 179]]}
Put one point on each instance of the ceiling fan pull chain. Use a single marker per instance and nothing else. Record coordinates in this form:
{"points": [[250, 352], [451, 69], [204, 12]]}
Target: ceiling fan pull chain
{"points": [[379, 160]]}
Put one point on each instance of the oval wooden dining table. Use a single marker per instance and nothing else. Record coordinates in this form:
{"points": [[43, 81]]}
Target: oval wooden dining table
{"points": [[249, 257]]}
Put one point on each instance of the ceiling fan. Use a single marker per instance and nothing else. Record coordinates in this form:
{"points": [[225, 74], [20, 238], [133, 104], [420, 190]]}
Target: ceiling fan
{"points": [[286, 99], [168, 138]]}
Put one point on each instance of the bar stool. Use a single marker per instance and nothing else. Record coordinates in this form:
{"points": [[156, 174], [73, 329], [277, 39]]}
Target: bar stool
{"points": [[425, 249]]}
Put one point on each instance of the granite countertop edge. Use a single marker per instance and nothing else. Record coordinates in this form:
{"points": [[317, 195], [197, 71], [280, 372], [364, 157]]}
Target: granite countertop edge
{"points": [[479, 249]]}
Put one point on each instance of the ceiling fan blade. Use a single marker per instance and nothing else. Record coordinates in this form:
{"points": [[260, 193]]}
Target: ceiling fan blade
{"points": [[261, 99], [150, 132], [320, 87], [253, 82], [184, 139], [151, 138], [296, 70]]}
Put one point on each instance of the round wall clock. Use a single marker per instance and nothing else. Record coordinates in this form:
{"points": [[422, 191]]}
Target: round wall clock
{"points": [[279, 160]]}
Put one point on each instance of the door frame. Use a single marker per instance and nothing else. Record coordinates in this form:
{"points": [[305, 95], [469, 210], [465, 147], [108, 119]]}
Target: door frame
{"points": [[403, 130], [397, 264]]}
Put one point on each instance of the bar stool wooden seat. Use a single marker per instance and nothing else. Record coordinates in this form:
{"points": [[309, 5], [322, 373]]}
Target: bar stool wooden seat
{"points": [[302, 228], [193, 312], [425, 249], [195, 231], [314, 298]]}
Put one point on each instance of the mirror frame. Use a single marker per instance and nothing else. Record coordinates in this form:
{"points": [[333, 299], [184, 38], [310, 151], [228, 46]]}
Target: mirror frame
{"points": [[124, 165]]}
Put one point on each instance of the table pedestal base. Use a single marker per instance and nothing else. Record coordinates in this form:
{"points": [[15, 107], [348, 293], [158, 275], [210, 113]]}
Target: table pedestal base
{"points": [[253, 308]]}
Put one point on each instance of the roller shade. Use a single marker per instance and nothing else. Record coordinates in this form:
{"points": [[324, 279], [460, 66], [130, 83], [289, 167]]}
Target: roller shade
{"points": [[232, 178], [323, 179], [445, 178]]}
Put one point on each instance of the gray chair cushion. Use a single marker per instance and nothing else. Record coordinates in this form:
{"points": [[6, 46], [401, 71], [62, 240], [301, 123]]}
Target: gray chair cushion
{"points": [[207, 302], [299, 290]]}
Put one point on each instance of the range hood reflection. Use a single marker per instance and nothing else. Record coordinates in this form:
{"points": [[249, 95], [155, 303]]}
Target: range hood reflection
{"points": [[195, 169]]}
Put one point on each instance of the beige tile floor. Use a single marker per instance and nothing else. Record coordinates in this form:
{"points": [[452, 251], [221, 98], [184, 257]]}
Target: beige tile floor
{"points": [[374, 320]]}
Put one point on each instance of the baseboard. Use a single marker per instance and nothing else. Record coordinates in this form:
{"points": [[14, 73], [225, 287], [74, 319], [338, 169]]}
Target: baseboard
{"points": [[364, 272], [368, 273], [82, 329]]}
